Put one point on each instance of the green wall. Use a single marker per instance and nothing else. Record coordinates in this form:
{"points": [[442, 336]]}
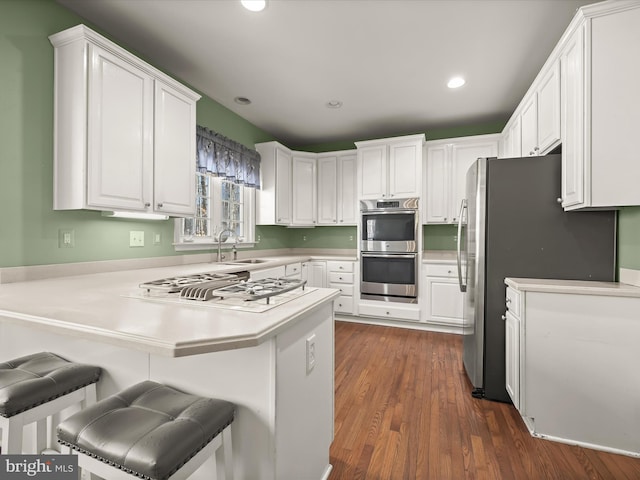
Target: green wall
{"points": [[629, 238], [29, 228]]}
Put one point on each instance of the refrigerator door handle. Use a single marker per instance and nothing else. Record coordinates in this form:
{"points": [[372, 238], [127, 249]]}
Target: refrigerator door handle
{"points": [[463, 286]]}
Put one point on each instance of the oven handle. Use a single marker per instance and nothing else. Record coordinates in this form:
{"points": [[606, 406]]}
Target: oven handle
{"points": [[389, 255], [463, 286], [386, 211]]}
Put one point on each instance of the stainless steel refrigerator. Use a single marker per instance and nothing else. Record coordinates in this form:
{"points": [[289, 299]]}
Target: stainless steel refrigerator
{"points": [[513, 225]]}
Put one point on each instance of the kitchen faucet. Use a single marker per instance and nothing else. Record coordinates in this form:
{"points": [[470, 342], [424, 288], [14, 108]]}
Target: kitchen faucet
{"points": [[229, 232]]}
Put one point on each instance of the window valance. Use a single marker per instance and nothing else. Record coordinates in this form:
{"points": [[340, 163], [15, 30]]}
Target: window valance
{"points": [[223, 157]]}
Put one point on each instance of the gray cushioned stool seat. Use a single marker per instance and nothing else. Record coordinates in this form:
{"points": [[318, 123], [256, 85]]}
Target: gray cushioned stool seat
{"points": [[27, 382], [149, 429]]}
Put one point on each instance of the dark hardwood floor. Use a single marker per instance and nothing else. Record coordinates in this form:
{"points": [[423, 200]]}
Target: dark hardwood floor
{"points": [[403, 410]]}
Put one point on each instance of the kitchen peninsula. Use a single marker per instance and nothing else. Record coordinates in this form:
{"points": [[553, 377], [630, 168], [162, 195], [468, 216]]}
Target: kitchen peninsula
{"points": [[260, 361]]}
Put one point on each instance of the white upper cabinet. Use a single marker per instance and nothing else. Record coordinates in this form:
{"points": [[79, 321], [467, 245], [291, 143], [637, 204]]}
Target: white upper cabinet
{"points": [[337, 202], [534, 128], [447, 163], [274, 196], [600, 56], [347, 189], [124, 131], [175, 124], [306, 189], [390, 167], [548, 126], [327, 190], [303, 189]]}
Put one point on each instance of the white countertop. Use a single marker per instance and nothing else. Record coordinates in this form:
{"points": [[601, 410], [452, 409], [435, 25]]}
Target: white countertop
{"points": [[575, 287], [98, 306]]}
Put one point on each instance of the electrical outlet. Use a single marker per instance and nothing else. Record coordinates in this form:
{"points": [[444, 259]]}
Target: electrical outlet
{"points": [[351, 238], [304, 238], [66, 238], [311, 353], [157, 238], [136, 238]]}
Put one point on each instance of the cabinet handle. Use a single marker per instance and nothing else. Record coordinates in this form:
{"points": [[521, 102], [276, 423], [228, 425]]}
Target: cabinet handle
{"points": [[559, 199], [445, 219], [341, 221], [387, 313], [147, 204], [531, 153], [508, 300], [504, 317], [159, 205], [448, 271]]}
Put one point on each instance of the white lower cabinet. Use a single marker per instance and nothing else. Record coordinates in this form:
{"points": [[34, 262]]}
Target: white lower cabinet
{"points": [[341, 275], [315, 273], [512, 357], [441, 297], [391, 311], [572, 361]]}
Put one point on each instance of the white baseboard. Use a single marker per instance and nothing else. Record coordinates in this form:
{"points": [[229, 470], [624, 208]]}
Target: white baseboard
{"points": [[383, 322], [629, 276]]}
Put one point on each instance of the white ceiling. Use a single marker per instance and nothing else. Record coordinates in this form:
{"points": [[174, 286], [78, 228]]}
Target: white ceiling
{"points": [[388, 61]]}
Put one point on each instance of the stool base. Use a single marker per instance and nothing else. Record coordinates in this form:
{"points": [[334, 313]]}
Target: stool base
{"points": [[12, 427], [220, 445]]}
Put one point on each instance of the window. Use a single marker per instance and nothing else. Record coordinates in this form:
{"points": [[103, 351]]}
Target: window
{"points": [[220, 205]]}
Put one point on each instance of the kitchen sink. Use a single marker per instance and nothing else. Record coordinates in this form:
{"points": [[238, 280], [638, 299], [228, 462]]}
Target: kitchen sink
{"points": [[247, 261]]}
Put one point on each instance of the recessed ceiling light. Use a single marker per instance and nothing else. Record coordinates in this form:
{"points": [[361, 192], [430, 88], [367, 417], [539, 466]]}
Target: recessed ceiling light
{"points": [[254, 5], [334, 104], [456, 82], [242, 100]]}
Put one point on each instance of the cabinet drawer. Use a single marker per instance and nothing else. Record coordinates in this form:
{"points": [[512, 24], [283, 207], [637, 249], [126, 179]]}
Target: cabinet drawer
{"points": [[337, 277], [344, 288], [340, 266], [513, 301], [440, 270], [293, 269], [388, 311], [343, 304]]}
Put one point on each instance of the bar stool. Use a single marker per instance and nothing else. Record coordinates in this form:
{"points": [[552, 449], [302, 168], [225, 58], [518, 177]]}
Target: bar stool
{"points": [[152, 431], [36, 386]]}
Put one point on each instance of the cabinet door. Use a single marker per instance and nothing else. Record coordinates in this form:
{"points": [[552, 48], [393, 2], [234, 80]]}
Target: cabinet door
{"points": [[373, 171], [327, 190], [438, 184], [283, 187], [515, 138], [316, 274], [549, 110], [405, 169], [512, 358], [463, 155], [174, 152], [572, 94], [120, 134], [347, 190], [529, 125], [444, 301], [304, 198]]}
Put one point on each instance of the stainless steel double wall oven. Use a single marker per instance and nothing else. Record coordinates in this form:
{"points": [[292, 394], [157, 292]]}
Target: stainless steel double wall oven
{"points": [[389, 250]]}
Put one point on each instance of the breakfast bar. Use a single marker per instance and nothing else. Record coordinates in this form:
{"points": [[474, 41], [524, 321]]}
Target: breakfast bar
{"points": [[276, 365]]}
